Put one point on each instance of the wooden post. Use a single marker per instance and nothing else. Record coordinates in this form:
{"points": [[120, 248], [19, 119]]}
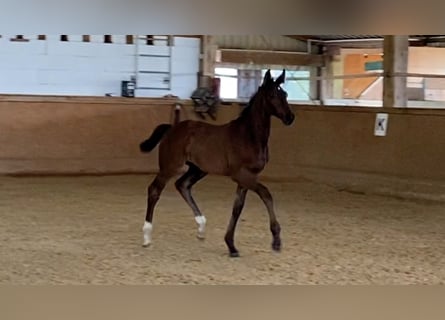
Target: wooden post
{"points": [[318, 86], [209, 52], [395, 60], [207, 65], [314, 88], [327, 86]]}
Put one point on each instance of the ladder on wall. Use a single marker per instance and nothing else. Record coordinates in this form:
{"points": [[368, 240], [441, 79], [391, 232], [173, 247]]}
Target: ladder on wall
{"points": [[153, 64]]}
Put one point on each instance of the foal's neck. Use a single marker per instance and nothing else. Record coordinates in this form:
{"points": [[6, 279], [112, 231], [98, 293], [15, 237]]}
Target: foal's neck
{"points": [[257, 123]]}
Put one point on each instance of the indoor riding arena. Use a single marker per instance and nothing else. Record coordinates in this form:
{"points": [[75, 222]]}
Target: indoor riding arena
{"points": [[357, 179]]}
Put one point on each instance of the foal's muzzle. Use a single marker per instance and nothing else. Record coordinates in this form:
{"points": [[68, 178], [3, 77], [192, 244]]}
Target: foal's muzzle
{"points": [[288, 119]]}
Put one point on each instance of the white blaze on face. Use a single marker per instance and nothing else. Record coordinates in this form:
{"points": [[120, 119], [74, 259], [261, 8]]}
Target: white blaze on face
{"points": [[147, 233], [201, 221]]}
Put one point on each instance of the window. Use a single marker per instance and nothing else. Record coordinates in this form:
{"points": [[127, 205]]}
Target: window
{"points": [[129, 39], [296, 88], [241, 84], [19, 38], [107, 38], [229, 82], [149, 40]]}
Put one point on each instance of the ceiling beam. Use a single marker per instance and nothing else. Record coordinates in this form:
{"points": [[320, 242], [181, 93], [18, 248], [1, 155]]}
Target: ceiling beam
{"points": [[365, 41], [301, 37], [260, 57]]}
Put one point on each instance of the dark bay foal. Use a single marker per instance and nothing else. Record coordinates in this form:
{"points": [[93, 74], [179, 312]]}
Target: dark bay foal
{"points": [[238, 149]]}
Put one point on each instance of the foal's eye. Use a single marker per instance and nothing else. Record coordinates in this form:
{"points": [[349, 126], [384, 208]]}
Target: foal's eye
{"points": [[282, 91]]}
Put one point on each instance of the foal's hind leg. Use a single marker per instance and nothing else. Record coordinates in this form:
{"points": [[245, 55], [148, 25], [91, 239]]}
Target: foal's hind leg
{"points": [[184, 185], [153, 193]]}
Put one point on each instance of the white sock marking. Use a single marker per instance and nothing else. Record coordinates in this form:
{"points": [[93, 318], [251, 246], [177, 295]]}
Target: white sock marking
{"points": [[147, 233], [201, 221]]}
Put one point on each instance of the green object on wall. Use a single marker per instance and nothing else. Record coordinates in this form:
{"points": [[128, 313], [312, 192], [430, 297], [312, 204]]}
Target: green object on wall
{"points": [[373, 65]]}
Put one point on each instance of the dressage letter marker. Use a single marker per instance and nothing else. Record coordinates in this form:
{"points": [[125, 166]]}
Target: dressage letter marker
{"points": [[381, 123]]}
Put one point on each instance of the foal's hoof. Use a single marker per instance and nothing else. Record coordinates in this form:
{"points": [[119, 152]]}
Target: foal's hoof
{"points": [[234, 254], [276, 246], [146, 245], [200, 236]]}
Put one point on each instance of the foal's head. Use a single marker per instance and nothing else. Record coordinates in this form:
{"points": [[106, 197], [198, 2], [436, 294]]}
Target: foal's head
{"points": [[276, 98]]}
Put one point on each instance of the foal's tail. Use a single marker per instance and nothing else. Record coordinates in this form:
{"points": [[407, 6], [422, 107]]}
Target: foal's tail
{"points": [[160, 131], [156, 136]]}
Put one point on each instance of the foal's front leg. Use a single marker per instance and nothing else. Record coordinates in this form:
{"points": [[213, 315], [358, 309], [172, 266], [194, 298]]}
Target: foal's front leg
{"points": [[275, 227], [248, 180], [237, 208], [153, 193]]}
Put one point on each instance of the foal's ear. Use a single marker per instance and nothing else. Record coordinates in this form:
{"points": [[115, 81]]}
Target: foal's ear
{"points": [[267, 78], [281, 78]]}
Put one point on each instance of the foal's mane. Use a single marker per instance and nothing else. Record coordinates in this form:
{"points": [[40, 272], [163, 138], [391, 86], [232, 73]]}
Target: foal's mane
{"points": [[245, 112]]}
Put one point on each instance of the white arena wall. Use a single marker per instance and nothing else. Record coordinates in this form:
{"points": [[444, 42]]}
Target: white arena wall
{"points": [[54, 67]]}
